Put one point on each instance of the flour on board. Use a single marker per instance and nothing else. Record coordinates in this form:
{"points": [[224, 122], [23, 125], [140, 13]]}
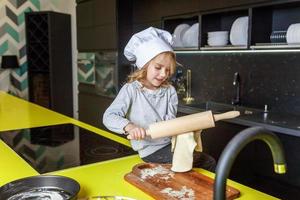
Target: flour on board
{"points": [[159, 170], [183, 194]]}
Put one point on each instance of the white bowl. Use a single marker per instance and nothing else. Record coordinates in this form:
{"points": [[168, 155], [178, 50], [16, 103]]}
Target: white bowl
{"points": [[217, 33], [217, 42], [217, 38]]}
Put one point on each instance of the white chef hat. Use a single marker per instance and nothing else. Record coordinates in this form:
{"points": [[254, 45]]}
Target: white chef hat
{"points": [[145, 45]]}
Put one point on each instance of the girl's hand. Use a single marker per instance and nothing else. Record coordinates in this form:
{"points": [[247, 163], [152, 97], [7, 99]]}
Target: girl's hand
{"points": [[135, 132]]}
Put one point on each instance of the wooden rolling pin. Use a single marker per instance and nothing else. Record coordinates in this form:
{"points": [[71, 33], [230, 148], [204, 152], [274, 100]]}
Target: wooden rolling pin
{"points": [[188, 123]]}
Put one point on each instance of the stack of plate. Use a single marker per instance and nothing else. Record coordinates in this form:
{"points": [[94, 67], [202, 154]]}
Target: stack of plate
{"points": [[293, 34], [190, 37], [278, 37], [178, 34], [217, 38], [239, 31]]}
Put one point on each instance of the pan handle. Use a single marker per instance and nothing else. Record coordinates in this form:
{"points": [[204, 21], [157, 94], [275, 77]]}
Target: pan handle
{"points": [[226, 115]]}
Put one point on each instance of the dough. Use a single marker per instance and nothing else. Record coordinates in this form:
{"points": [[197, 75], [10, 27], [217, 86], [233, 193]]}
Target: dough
{"points": [[183, 152], [197, 136]]}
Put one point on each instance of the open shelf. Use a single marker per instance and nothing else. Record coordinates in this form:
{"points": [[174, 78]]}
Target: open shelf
{"points": [[171, 23], [275, 46], [272, 18], [221, 21], [227, 47]]}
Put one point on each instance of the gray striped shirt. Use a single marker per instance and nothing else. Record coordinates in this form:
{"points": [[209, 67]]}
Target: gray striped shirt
{"points": [[141, 106]]}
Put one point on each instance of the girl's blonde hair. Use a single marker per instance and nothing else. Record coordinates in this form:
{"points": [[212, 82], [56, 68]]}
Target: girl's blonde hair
{"points": [[140, 74]]}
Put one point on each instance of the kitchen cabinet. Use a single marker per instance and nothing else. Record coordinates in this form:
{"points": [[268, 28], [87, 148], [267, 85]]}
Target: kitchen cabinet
{"points": [[85, 17], [263, 19], [50, 60], [106, 39], [233, 3], [170, 23], [170, 7], [268, 19], [92, 106], [105, 12], [143, 14], [206, 5], [97, 25], [219, 21], [144, 11]]}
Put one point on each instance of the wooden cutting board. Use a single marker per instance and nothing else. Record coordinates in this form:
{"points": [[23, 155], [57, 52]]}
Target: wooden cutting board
{"points": [[160, 182]]}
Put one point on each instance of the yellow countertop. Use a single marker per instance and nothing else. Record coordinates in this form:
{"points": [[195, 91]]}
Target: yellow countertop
{"points": [[102, 178], [106, 178], [16, 113], [12, 167]]}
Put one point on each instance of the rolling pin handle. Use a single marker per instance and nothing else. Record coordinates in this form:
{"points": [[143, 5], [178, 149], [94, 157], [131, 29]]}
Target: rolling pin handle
{"points": [[226, 115], [129, 136]]}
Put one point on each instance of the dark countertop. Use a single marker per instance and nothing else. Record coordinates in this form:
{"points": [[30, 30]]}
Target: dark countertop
{"points": [[277, 122]]}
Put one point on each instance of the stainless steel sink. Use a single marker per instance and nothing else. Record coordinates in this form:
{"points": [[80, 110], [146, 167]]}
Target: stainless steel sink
{"points": [[222, 107]]}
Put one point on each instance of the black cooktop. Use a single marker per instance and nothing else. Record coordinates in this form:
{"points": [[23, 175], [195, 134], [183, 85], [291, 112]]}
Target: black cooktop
{"points": [[51, 148]]}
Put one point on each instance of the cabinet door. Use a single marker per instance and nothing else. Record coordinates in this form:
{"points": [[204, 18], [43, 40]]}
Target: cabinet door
{"points": [[104, 12], [105, 37], [206, 5], [39, 88], [92, 108], [84, 14], [171, 7], [50, 60], [96, 38], [230, 3], [144, 11], [96, 25]]}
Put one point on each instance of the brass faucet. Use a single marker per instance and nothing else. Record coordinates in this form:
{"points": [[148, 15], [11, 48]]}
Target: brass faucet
{"points": [[188, 95], [234, 147]]}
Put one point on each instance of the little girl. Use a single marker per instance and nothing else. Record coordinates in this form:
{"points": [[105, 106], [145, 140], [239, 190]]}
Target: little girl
{"points": [[148, 97]]}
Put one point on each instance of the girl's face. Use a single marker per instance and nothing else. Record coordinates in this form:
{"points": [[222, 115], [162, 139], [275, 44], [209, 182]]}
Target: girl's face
{"points": [[158, 70]]}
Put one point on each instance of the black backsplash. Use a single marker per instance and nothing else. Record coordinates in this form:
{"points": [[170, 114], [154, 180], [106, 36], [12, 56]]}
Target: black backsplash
{"points": [[271, 78]]}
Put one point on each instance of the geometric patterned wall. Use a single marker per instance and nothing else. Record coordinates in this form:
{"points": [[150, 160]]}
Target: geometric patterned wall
{"points": [[12, 37], [86, 68], [97, 68], [12, 42]]}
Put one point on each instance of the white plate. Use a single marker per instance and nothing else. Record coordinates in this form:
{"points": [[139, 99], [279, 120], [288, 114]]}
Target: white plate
{"points": [[190, 37], [293, 34], [178, 34], [239, 31]]}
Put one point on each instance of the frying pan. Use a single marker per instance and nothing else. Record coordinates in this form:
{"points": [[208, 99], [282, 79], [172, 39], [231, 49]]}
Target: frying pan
{"points": [[59, 187]]}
